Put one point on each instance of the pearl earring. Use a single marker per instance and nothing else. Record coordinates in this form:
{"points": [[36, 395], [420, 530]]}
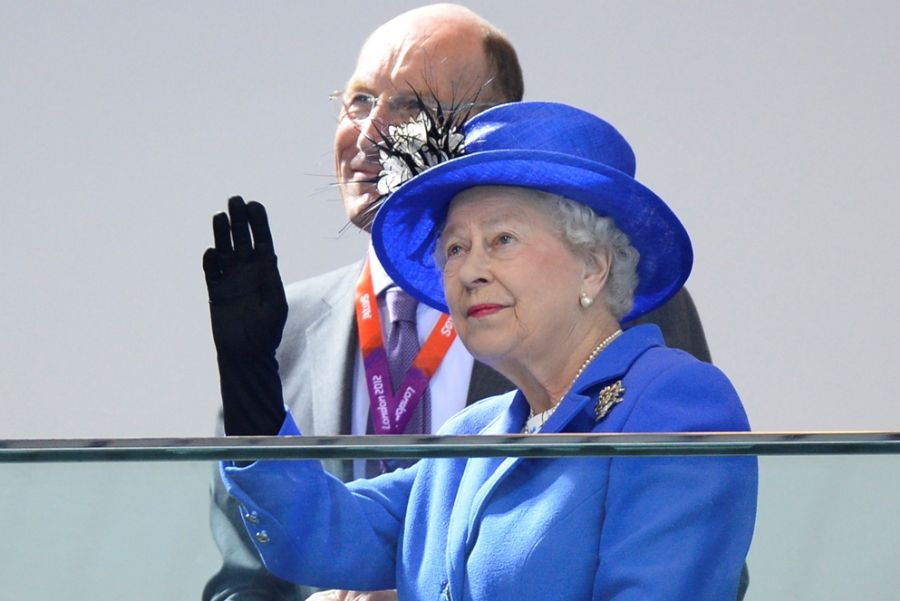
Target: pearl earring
{"points": [[585, 300]]}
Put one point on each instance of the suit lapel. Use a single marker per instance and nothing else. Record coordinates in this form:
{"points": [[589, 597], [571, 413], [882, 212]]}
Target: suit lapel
{"points": [[480, 476], [612, 365], [335, 339]]}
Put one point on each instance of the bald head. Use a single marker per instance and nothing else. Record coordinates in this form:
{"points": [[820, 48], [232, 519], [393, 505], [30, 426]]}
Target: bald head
{"points": [[436, 34], [444, 52]]}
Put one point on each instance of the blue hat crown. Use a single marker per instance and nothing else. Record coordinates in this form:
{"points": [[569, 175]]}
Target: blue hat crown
{"points": [[574, 132]]}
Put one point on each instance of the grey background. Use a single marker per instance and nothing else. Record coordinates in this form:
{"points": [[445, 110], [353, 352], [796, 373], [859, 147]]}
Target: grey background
{"points": [[770, 127]]}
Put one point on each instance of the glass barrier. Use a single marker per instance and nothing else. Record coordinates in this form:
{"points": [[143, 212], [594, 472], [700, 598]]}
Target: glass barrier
{"points": [[129, 519]]}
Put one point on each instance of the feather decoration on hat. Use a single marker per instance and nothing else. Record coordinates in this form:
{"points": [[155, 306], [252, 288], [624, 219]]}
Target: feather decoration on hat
{"points": [[407, 149]]}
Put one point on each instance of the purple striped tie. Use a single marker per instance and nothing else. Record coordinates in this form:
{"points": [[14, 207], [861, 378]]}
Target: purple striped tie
{"points": [[402, 347]]}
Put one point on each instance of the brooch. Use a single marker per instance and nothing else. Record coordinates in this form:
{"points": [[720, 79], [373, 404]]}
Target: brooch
{"points": [[609, 396]]}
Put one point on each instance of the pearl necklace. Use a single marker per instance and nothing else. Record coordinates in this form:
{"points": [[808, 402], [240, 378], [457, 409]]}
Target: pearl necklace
{"points": [[536, 421]]}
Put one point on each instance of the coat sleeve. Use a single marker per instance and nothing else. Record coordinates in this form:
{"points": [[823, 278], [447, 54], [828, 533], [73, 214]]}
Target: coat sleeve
{"points": [[242, 576], [311, 528], [679, 527]]}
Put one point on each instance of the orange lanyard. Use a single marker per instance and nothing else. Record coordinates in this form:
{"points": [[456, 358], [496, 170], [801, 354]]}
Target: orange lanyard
{"points": [[390, 411]]}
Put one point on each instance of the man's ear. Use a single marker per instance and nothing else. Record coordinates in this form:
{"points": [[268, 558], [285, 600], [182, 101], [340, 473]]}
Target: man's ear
{"points": [[596, 272]]}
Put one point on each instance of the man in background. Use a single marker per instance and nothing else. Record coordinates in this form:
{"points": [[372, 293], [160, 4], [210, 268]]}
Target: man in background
{"points": [[450, 55]]}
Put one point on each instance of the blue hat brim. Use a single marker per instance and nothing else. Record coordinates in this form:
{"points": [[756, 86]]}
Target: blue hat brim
{"points": [[408, 224]]}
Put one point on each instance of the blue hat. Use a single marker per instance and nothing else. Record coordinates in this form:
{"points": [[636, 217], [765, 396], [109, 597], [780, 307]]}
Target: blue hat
{"points": [[546, 146]]}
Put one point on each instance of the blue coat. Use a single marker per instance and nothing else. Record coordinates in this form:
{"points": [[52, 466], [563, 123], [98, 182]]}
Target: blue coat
{"points": [[494, 529]]}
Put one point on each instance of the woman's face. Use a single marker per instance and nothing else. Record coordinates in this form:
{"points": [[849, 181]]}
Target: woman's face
{"points": [[511, 281]]}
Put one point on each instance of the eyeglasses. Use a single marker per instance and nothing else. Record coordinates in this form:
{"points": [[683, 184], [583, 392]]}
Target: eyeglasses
{"points": [[359, 106]]}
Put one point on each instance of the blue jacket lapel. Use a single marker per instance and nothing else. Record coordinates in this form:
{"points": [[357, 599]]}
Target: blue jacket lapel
{"points": [[483, 475], [611, 365], [480, 476]]}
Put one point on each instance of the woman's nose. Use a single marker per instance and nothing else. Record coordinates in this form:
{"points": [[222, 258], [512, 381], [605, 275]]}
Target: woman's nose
{"points": [[474, 268]]}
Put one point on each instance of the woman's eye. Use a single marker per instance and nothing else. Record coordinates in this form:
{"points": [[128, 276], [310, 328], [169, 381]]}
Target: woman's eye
{"points": [[454, 250], [505, 239]]}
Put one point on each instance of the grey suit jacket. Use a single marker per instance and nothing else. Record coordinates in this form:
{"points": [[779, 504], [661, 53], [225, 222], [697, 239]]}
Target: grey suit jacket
{"points": [[316, 362]]}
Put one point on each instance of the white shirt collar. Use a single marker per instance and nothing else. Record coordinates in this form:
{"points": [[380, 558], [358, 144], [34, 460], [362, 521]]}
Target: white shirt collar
{"points": [[380, 279]]}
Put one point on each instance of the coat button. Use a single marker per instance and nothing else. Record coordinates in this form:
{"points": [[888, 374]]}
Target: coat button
{"points": [[252, 517], [262, 537]]}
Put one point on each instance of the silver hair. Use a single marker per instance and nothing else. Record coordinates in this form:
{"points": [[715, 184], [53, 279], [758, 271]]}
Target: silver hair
{"points": [[589, 235]]}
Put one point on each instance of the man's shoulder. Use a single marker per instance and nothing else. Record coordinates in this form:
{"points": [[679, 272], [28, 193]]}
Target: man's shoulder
{"points": [[312, 298], [680, 324], [326, 287]]}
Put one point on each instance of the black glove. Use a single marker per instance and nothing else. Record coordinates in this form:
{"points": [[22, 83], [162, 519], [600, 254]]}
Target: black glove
{"points": [[248, 310]]}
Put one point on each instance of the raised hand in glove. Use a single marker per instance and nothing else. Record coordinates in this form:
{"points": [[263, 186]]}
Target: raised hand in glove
{"points": [[248, 310]]}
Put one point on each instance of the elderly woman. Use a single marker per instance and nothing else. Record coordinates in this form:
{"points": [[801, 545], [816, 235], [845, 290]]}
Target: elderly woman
{"points": [[540, 241]]}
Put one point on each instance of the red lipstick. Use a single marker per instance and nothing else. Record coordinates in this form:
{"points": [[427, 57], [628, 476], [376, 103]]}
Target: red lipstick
{"points": [[483, 310]]}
